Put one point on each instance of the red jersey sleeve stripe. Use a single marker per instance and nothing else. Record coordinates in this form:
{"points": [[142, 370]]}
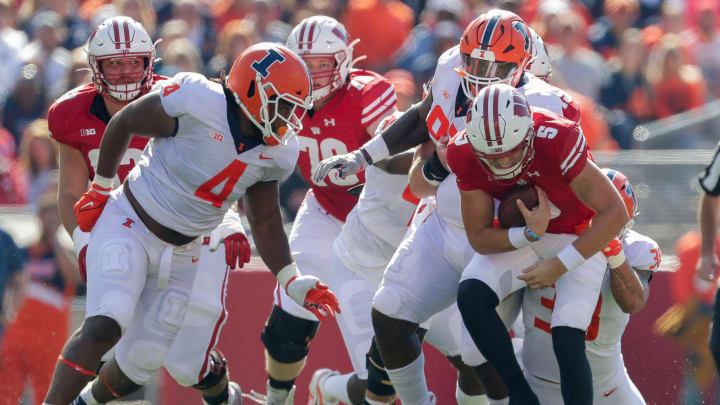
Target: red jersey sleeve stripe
{"points": [[576, 156], [368, 108], [570, 155], [383, 108]]}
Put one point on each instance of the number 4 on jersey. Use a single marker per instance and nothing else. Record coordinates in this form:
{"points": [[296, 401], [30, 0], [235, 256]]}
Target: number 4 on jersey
{"points": [[230, 175]]}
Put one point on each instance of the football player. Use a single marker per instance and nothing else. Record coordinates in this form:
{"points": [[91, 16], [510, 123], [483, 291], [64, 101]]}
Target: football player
{"points": [[212, 143], [77, 121], [631, 258], [508, 143], [371, 234], [348, 106], [495, 48]]}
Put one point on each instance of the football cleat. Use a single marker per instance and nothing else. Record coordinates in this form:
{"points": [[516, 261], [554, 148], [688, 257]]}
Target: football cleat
{"points": [[274, 396], [234, 394], [315, 394]]}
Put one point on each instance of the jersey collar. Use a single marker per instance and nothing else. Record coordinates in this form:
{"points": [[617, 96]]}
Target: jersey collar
{"points": [[98, 109], [243, 143]]}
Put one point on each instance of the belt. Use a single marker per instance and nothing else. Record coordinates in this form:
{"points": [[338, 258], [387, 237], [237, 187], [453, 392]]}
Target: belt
{"points": [[161, 231]]}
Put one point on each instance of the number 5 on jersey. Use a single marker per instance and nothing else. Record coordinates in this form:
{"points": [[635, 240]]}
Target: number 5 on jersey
{"points": [[229, 175]]}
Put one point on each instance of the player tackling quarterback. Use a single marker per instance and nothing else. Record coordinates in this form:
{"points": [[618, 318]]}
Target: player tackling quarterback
{"points": [[212, 144]]}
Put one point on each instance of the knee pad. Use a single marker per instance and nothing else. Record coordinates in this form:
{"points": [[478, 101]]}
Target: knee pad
{"points": [[217, 369], [474, 295], [378, 381], [287, 337]]}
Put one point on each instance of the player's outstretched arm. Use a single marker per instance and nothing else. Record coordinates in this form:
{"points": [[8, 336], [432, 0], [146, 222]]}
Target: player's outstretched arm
{"points": [[408, 131], [596, 191], [72, 184], [629, 287], [145, 117], [263, 213]]}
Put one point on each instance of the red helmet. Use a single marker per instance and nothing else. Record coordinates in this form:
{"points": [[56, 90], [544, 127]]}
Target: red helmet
{"points": [[118, 38], [495, 48], [623, 186], [270, 76]]}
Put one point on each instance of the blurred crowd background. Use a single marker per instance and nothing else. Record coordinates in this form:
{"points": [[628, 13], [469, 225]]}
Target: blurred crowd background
{"points": [[638, 68], [627, 62]]}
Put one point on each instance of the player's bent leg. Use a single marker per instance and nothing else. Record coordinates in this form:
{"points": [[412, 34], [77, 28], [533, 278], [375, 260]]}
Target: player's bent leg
{"points": [[477, 303], [576, 300], [379, 387], [287, 340], [80, 358]]}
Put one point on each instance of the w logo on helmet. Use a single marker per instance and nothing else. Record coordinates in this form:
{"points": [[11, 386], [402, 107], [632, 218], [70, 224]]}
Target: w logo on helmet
{"points": [[264, 64]]}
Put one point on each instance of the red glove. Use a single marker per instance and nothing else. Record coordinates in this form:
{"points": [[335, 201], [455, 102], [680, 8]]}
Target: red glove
{"points": [[81, 264], [90, 206], [318, 298], [237, 250]]}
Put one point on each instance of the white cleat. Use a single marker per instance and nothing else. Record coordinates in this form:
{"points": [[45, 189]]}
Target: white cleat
{"points": [[234, 394], [432, 399], [316, 396], [274, 396]]}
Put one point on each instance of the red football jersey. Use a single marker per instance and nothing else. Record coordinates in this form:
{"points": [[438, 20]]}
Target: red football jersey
{"points": [[339, 127], [78, 119], [560, 154]]}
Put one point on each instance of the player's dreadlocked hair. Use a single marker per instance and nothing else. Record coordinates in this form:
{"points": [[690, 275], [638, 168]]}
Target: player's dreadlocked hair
{"points": [[222, 79]]}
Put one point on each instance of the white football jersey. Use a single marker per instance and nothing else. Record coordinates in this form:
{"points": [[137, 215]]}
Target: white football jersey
{"points": [[188, 181], [449, 108], [608, 323]]}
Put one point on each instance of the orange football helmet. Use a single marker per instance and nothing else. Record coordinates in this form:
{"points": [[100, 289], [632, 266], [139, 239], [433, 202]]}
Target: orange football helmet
{"points": [[495, 48], [623, 186], [270, 77]]}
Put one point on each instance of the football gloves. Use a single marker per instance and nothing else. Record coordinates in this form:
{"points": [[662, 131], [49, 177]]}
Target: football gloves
{"points": [[232, 234]]}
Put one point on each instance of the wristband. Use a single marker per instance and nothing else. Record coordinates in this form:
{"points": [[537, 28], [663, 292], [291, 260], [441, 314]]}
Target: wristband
{"points": [[617, 260], [570, 257], [376, 149], [286, 274], [517, 237], [433, 170], [532, 235], [103, 182]]}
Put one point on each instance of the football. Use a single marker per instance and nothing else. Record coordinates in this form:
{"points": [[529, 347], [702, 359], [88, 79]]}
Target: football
{"points": [[509, 214]]}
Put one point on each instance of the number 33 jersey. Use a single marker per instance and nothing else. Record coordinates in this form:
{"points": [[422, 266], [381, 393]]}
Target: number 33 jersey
{"points": [[188, 181], [338, 128]]}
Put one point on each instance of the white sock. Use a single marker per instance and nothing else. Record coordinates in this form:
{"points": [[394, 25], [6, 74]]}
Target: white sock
{"points": [[374, 402], [464, 399], [335, 387], [87, 395], [504, 401], [409, 382]]}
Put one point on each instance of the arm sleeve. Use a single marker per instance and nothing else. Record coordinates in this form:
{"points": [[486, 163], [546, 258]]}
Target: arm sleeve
{"points": [[710, 177], [177, 93], [573, 152], [376, 100]]}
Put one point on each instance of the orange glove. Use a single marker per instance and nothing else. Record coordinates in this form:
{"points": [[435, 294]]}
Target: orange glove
{"points": [[614, 253], [317, 297], [91, 205]]}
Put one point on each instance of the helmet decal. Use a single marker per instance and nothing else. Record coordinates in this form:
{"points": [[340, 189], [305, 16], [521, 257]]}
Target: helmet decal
{"points": [[264, 64]]}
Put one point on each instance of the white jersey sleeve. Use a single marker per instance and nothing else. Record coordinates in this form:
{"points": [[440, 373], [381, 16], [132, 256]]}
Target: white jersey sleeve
{"points": [[184, 93]]}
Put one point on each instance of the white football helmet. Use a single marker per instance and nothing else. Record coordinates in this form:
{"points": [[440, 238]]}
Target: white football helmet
{"points": [[499, 123], [322, 36], [540, 61], [117, 38]]}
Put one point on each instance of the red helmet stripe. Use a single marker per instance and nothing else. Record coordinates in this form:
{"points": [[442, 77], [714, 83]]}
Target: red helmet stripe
{"points": [[302, 34], [310, 34], [126, 30], [116, 31], [486, 106], [496, 120]]}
